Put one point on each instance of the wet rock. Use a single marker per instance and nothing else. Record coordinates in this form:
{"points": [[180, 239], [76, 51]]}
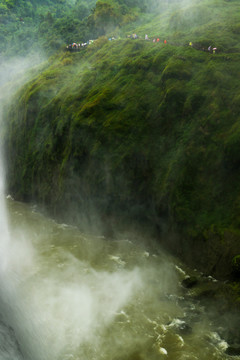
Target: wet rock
{"points": [[205, 294], [215, 339], [236, 266], [185, 329], [180, 326], [163, 351], [228, 327], [190, 282], [174, 298], [233, 350]]}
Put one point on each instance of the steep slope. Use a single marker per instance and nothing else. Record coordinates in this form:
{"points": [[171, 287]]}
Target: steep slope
{"points": [[140, 131], [48, 25], [41, 25]]}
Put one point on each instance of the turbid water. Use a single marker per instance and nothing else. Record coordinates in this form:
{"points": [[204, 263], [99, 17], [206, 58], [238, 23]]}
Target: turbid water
{"points": [[71, 295]]}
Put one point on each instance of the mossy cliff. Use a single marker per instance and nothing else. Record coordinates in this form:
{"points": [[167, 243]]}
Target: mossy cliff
{"points": [[140, 131]]}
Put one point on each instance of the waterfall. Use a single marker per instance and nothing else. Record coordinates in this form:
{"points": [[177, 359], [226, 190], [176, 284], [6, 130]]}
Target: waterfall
{"points": [[14, 327], [14, 70], [9, 347], [53, 308], [4, 231]]}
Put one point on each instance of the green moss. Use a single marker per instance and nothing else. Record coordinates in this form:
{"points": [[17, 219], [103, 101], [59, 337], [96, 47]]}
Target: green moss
{"points": [[236, 265], [136, 127]]}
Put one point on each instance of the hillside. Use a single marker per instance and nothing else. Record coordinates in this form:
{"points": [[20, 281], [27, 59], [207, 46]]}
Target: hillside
{"points": [[47, 25], [39, 25], [140, 131]]}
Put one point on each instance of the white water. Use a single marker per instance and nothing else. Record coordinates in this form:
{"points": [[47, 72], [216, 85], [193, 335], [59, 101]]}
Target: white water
{"points": [[50, 311], [68, 295], [9, 348]]}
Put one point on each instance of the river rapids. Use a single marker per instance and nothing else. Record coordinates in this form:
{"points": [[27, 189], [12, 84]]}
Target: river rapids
{"points": [[72, 295]]}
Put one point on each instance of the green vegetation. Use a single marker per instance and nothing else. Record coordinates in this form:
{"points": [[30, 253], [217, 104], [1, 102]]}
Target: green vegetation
{"points": [[50, 24], [236, 265], [137, 129], [46, 24]]}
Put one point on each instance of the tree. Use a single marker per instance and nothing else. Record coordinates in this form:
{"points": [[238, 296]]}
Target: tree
{"points": [[107, 15]]}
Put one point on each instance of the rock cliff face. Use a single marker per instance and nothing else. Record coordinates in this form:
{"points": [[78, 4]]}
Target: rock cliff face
{"points": [[139, 131]]}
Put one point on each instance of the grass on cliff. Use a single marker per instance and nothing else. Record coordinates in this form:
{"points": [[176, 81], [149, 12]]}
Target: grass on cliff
{"points": [[148, 129], [162, 121]]}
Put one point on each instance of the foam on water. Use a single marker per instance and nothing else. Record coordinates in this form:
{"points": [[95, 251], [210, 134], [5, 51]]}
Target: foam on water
{"points": [[57, 304]]}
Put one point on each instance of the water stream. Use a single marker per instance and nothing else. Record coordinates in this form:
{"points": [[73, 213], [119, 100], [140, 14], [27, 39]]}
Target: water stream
{"points": [[70, 295]]}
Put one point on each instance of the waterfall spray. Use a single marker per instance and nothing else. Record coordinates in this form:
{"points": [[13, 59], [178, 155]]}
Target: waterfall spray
{"points": [[13, 255], [55, 307], [3, 217], [9, 347]]}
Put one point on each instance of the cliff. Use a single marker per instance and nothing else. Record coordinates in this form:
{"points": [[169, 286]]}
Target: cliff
{"points": [[140, 131]]}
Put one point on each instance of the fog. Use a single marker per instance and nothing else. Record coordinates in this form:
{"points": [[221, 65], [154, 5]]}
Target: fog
{"points": [[57, 295], [54, 310], [71, 295]]}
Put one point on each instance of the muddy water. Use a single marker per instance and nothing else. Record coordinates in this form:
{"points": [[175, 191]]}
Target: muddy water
{"points": [[71, 295]]}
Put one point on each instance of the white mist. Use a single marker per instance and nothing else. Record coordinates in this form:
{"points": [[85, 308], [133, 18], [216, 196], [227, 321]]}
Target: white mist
{"points": [[52, 309]]}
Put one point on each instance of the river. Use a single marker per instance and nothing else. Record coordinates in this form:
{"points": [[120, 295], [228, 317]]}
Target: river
{"points": [[71, 295]]}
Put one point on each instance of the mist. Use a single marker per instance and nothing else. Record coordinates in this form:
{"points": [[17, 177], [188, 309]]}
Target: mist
{"points": [[72, 295], [58, 300]]}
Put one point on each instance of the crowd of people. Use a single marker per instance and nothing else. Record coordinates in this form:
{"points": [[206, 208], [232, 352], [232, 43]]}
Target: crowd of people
{"points": [[210, 48], [146, 37], [78, 46]]}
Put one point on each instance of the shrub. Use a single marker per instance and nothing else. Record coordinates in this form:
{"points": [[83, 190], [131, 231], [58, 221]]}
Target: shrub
{"points": [[236, 29], [67, 61], [236, 265]]}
